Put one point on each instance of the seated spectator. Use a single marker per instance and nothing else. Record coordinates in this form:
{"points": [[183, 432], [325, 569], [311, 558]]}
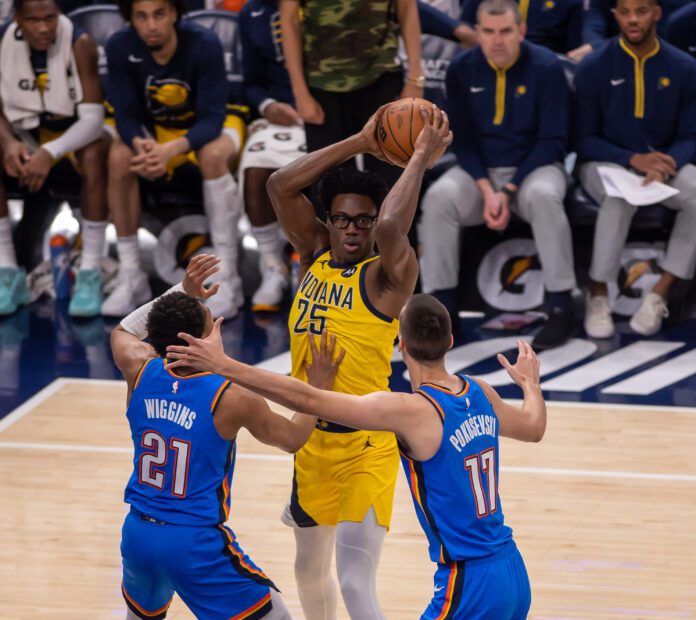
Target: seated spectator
{"points": [[169, 91], [443, 37], [52, 106], [554, 24], [508, 107], [656, 84], [599, 25], [680, 30], [276, 139]]}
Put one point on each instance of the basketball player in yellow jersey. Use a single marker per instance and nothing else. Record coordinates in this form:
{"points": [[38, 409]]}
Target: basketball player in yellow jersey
{"points": [[344, 479]]}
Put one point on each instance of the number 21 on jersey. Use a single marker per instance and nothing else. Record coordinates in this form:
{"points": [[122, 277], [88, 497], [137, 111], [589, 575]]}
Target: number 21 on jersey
{"points": [[151, 462]]}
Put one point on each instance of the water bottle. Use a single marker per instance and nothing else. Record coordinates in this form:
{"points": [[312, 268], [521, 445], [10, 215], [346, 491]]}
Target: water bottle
{"points": [[60, 265], [294, 272]]}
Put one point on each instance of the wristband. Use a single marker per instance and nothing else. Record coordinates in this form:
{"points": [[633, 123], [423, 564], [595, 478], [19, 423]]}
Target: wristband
{"points": [[510, 193]]}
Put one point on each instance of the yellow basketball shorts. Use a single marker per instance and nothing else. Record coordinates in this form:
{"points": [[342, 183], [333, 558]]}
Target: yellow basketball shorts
{"points": [[338, 476], [233, 126]]}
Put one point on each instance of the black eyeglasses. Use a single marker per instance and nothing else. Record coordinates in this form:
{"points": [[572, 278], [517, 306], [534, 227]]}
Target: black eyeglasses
{"points": [[362, 222]]}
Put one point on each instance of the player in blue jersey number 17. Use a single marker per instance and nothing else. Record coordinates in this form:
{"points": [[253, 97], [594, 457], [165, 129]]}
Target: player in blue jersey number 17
{"points": [[448, 431]]}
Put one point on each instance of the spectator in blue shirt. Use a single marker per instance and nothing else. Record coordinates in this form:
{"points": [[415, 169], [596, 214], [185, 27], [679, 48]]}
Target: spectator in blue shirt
{"points": [[276, 139], [636, 101], [508, 107], [554, 24], [169, 91], [681, 29], [599, 25], [444, 36]]}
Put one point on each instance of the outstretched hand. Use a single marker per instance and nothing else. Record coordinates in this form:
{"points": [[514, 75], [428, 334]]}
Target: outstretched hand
{"points": [[201, 354], [525, 372], [321, 373], [199, 269]]}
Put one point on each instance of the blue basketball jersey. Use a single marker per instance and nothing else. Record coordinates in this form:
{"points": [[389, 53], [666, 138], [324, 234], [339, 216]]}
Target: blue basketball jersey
{"points": [[455, 493], [182, 468]]}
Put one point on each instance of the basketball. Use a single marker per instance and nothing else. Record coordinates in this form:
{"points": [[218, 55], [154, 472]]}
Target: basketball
{"points": [[399, 127]]}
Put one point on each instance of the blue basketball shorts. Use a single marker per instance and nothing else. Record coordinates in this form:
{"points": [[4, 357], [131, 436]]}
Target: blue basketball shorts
{"points": [[204, 565], [491, 588]]}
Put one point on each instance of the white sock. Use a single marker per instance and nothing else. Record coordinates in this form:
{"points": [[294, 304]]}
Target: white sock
{"points": [[93, 242], [223, 208], [7, 253], [128, 253], [358, 548], [270, 242]]}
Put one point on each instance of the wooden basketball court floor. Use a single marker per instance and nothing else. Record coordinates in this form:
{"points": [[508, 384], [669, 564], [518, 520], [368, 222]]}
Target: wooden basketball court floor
{"points": [[603, 510]]}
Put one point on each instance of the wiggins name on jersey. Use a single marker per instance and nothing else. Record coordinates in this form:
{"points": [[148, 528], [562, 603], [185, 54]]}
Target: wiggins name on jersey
{"points": [[332, 296]]}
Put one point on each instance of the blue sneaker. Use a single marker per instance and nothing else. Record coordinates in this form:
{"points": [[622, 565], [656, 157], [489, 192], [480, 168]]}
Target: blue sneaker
{"points": [[13, 289], [87, 296]]}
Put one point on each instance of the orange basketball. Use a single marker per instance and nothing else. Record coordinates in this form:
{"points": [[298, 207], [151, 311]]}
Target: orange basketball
{"points": [[399, 127]]}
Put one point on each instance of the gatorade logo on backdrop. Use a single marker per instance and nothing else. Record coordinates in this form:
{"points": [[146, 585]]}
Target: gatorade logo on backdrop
{"points": [[178, 242], [639, 272], [509, 276]]}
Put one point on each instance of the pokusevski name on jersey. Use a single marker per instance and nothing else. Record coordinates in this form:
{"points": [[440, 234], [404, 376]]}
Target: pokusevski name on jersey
{"points": [[329, 293], [164, 409], [469, 429]]}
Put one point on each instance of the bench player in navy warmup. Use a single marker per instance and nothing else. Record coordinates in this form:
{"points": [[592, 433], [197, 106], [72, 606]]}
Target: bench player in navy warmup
{"points": [[184, 425], [448, 433], [171, 98]]}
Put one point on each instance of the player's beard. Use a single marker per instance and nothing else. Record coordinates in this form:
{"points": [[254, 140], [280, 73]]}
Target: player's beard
{"points": [[155, 48], [640, 40]]}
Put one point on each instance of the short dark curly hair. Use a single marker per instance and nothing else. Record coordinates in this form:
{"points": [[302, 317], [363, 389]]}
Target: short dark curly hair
{"points": [[350, 180], [125, 8], [18, 5], [171, 314]]}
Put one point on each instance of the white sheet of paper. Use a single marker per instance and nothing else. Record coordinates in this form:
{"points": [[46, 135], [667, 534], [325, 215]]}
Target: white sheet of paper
{"points": [[621, 183]]}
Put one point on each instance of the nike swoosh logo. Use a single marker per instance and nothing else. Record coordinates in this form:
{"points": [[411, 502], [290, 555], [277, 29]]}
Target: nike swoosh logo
{"points": [[692, 48], [617, 82], [439, 588], [476, 89], [132, 58], [257, 13]]}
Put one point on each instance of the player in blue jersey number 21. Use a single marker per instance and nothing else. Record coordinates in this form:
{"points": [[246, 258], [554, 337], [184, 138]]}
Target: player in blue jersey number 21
{"points": [[448, 431], [184, 426]]}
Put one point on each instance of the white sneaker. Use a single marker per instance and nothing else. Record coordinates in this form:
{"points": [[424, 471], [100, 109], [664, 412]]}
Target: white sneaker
{"points": [[274, 281], [228, 300], [598, 321], [132, 290], [648, 320]]}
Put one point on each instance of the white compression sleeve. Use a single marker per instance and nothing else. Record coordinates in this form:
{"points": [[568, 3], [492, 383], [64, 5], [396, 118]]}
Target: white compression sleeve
{"points": [[87, 128], [136, 322], [358, 548], [315, 584]]}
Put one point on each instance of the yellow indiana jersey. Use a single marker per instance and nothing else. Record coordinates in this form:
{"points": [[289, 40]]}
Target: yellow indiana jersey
{"points": [[333, 296]]}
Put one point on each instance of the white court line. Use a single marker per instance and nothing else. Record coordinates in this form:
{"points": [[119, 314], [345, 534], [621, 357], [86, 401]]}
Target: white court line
{"points": [[69, 447], [252, 456], [574, 404], [57, 384], [32, 403]]}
